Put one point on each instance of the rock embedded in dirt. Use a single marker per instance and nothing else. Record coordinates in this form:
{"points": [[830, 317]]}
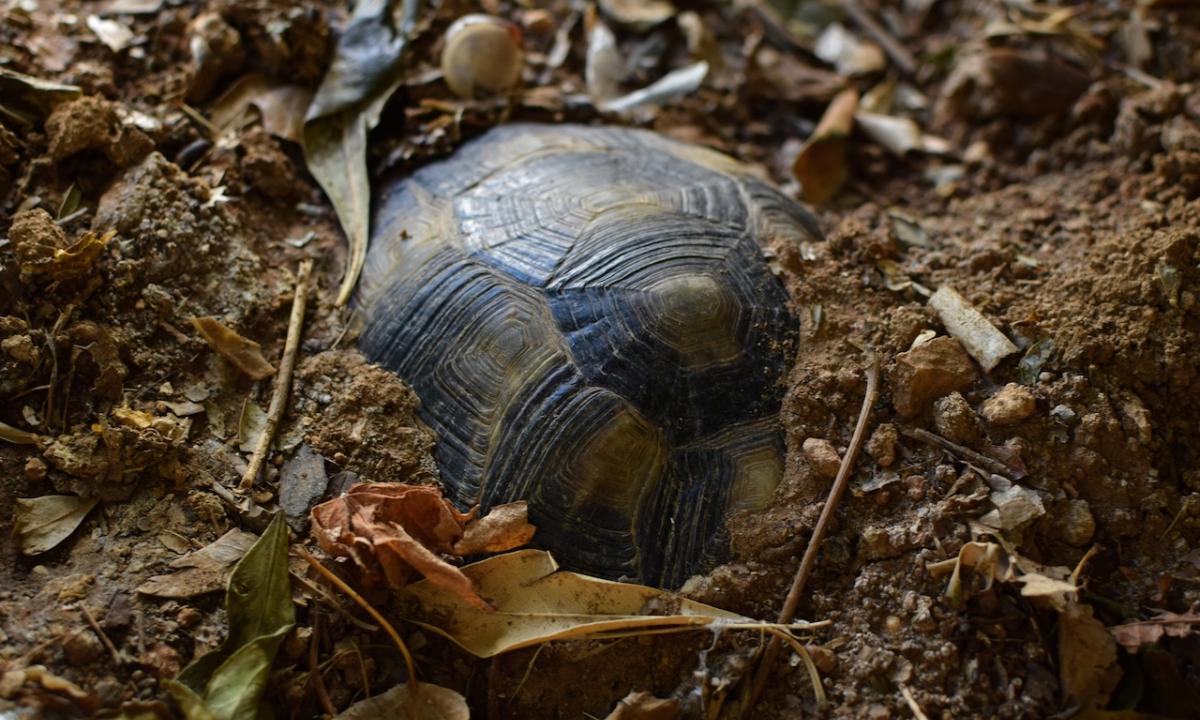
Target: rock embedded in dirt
{"points": [[1011, 404], [1077, 525], [822, 456], [882, 445], [82, 648], [928, 372], [955, 420]]}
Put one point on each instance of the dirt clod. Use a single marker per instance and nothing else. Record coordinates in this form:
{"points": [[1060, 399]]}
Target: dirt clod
{"points": [[882, 444], [822, 456], [1011, 404]]}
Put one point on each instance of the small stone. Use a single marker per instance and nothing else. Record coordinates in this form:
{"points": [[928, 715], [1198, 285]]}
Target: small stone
{"points": [[822, 456], [928, 372], [35, 470], [825, 659], [83, 648], [1078, 525], [1011, 404], [188, 616], [882, 445], [955, 420], [1064, 414]]}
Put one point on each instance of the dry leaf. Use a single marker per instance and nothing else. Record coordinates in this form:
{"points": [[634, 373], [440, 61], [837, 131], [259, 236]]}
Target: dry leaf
{"points": [[504, 528], [640, 15], [821, 165], [112, 33], [847, 53], [280, 105], [17, 436], [898, 134], [391, 530], [997, 562], [251, 425], [245, 354], [347, 105], [1136, 635], [644, 706], [42, 523], [536, 602], [202, 571], [1087, 657], [425, 701]]}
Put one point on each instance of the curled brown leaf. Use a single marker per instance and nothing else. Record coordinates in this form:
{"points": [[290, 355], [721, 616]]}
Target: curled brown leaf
{"points": [[392, 531]]}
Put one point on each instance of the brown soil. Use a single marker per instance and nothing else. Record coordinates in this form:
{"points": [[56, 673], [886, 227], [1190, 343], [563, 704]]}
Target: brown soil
{"points": [[1068, 216]]}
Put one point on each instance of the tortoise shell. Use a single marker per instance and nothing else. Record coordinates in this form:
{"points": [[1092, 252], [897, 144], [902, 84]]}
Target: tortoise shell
{"points": [[588, 319]]}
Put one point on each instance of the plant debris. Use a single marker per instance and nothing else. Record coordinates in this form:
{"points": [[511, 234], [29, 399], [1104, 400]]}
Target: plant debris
{"points": [[392, 530], [42, 523], [246, 355]]}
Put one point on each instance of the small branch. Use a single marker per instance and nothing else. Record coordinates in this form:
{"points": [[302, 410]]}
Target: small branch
{"points": [[108, 644], [340, 584], [897, 52], [983, 461], [819, 530], [283, 379], [314, 669]]}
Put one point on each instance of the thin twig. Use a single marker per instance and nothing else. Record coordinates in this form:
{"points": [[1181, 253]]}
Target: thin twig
{"points": [[283, 379], [897, 52], [314, 669], [987, 463], [108, 644], [362, 602], [814, 545], [917, 712]]}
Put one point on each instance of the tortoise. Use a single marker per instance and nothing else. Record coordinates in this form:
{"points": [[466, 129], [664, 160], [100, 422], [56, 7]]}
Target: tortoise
{"points": [[588, 318]]}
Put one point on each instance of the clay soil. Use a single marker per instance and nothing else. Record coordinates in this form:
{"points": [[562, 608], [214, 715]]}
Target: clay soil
{"points": [[1065, 213]]}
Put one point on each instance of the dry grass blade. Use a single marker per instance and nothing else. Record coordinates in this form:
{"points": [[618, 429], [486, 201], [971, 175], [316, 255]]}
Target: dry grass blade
{"points": [[245, 354], [810, 553], [325, 572]]}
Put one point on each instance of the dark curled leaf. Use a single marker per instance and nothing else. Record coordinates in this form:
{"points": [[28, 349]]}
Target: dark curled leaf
{"points": [[230, 680], [362, 77], [368, 54]]}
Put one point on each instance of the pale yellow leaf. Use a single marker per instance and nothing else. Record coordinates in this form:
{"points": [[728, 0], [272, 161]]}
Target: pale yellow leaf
{"points": [[42, 523], [536, 602]]}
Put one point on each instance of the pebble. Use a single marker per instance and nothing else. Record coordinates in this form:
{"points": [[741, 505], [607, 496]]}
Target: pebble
{"points": [[822, 456], [35, 470], [928, 372], [82, 648], [882, 445], [1064, 414], [1011, 404], [1078, 525]]}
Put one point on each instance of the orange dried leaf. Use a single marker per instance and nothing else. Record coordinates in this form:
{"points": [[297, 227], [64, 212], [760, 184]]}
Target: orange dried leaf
{"points": [[393, 530], [1136, 635], [244, 353], [821, 165], [504, 528]]}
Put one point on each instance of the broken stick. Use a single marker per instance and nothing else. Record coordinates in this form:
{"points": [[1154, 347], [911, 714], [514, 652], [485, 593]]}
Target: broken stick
{"points": [[283, 379]]}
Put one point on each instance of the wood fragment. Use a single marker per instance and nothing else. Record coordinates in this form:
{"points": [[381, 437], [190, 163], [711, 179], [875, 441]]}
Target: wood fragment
{"points": [[985, 462], [814, 545], [108, 644], [897, 52], [283, 379]]}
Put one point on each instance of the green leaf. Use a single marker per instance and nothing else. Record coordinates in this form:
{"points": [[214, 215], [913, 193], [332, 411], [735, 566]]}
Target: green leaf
{"points": [[258, 603], [363, 75], [29, 98]]}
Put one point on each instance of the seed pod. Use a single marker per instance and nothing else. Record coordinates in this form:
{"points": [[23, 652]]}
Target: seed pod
{"points": [[482, 56]]}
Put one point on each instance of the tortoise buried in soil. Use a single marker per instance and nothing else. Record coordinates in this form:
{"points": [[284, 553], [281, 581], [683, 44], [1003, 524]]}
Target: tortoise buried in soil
{"points": [[588, 319]]}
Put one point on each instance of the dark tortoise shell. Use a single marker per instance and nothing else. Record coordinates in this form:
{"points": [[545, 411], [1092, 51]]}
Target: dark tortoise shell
{"points": [[589, 322]]}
